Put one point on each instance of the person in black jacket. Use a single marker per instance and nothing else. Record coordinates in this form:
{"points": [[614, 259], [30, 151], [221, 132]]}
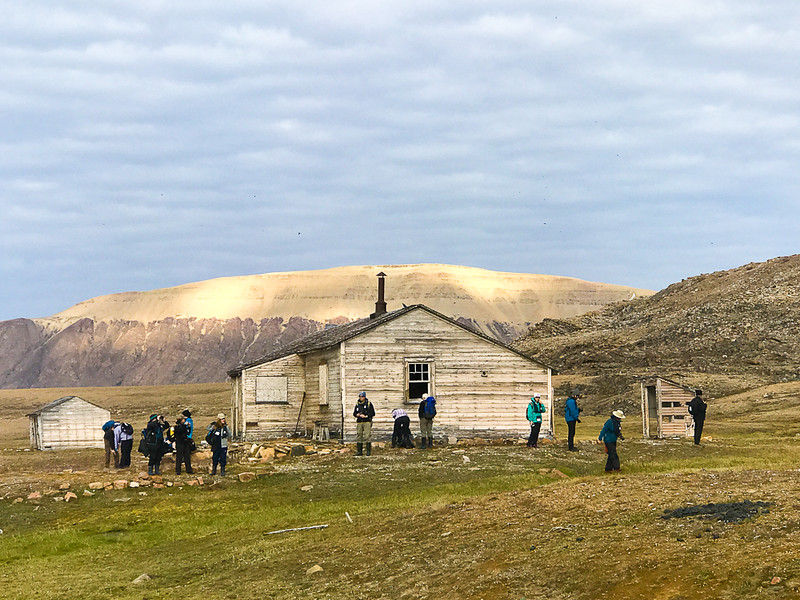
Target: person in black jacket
{"points": [[154, 438], [401, 435], [364, 412], [697, 408], [183, 445]]}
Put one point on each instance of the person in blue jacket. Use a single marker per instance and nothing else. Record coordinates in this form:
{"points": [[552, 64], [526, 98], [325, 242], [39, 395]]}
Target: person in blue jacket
{"points": [[571, 416], [534, 414], [609, 434]]}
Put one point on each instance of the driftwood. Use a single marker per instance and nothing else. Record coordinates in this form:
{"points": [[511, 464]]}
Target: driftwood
{"points": [[296, 529]]}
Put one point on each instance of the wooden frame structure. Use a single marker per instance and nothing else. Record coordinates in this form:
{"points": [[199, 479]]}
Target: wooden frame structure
{"points": [[664, 410]]}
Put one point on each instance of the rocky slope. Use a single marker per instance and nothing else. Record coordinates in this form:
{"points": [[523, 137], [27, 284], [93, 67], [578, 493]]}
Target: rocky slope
{"points": [[193, 333], [742, 323]]}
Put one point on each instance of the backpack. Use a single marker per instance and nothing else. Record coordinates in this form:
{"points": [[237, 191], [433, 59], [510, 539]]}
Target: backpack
{"points": [[108, 434], [108, 425], [153, 436], [429, 410], [127, 428], [211, 438]]}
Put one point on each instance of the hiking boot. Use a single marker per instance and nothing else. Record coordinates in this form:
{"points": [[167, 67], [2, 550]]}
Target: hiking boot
{"points": [[369, 449], [214, 471], [158, 470], [149, 469], [222, 472], [430, 442], [359, 449], [424, 444]]}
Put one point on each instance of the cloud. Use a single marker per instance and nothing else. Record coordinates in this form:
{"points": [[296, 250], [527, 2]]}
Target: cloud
{"points": [[150, 144]]}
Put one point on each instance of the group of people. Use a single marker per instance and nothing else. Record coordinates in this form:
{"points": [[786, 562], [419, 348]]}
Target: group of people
{"points": [[364, 412], [159, 438], [611, 432]]}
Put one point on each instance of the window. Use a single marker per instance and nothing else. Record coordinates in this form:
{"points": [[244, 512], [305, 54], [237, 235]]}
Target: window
{"points": [[272, 390], [419, 380]]}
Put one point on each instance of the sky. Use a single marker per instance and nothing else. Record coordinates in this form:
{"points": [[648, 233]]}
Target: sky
{"points": [[150, 144]]}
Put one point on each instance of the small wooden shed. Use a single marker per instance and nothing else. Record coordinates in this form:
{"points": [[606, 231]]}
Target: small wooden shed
{"points": [[482, 386], [664, 410], [69, 422]]}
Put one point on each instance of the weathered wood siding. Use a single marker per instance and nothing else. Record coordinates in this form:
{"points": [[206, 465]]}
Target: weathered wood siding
{"points": [[329, 414], [261, 420], [75, 423], [480, 388], [666, 413]]}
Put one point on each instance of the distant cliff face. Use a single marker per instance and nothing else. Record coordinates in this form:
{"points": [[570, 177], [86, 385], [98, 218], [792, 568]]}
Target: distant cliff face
{"points": [[195, 333]]}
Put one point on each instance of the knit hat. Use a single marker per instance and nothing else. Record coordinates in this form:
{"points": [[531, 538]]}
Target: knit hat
{"points": [[186, 413], [362, 394], [618, 413], [221, 416], [153, 417]]}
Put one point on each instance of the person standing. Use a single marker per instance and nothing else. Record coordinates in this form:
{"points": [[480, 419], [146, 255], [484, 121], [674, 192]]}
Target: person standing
{"points": [[218, 436], [183, 446], [108, 444], [697, 408], [535, 410], [609, 434], [401, 436], [123, 442], [189, 424], [426, 412], [364, 412], [154, 438], [571, 416]]}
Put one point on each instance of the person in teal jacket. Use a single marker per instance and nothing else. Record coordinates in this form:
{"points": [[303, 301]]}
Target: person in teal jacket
{"points": [[572, 416], [535, 410], [609, 434]]}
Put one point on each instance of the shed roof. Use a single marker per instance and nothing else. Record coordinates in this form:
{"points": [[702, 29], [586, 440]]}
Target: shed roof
{"points": [[647, 378], [328, 338], [62, 400]]}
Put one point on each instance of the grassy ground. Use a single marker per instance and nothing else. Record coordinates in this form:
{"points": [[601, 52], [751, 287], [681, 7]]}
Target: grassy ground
{"points": [[474, 521]]}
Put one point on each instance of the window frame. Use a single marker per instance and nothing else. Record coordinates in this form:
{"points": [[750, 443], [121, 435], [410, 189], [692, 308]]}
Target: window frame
{"points": [[429, 362], [281, 380]]}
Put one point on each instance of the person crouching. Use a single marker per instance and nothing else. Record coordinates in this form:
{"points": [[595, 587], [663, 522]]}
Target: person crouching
{"points": [[611, 432], [401, 435]]}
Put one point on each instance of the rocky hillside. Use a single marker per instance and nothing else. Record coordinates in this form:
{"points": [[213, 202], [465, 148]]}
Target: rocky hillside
{"points": [[194, 333], [740, 324]]}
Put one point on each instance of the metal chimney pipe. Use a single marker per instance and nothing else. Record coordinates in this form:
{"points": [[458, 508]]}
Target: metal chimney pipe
{"points": [[380, 305]]}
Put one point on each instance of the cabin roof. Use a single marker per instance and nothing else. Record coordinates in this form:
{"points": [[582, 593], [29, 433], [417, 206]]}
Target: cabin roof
{"points": [[62, 400], [334, 336]]}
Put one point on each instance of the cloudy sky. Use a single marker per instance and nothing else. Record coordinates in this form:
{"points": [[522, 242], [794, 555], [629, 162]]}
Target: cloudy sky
{"points": [[148, 144]]}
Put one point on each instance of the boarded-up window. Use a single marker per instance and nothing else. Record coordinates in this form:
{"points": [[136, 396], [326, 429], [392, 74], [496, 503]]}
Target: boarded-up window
{"points": [[272, 390], [323, 384]]}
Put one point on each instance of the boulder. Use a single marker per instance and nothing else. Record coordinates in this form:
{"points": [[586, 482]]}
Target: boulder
{"points": [[297, 450], [34, 496], [133, 484], [120, 484], [141, 579], [247, 476], [96, 485]]}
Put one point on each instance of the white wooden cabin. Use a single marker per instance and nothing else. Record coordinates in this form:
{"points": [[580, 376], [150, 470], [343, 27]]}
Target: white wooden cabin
{"points": [[664, 409], [482, 387], [69, 422]]}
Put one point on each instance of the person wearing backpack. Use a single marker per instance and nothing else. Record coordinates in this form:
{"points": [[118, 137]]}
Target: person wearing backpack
{"points": [[364, 412], [154, 438], [218, 436], [535, 410], [123, 442], [427, 411], [183, 445], [611, 432], [108, 444]]}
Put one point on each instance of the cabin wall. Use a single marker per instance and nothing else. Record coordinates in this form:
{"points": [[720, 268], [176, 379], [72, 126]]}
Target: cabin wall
{"points": [[480, 388], [329, 414], [72, 424], [257, 420]]}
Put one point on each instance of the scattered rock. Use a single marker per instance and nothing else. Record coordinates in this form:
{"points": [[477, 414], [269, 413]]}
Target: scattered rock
{"points": [[159, 486], [314, 569], [88, 493], [17, 500], [775, 581], [193, 483], [297, 450], [120, 484], [122, 499], [70, 496], [64, 486], [447, 534], [306, 488], [34, 496], [133, 484], [141, 579], [96, 485], [156, 479], [247, 476], [466, 459]]}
